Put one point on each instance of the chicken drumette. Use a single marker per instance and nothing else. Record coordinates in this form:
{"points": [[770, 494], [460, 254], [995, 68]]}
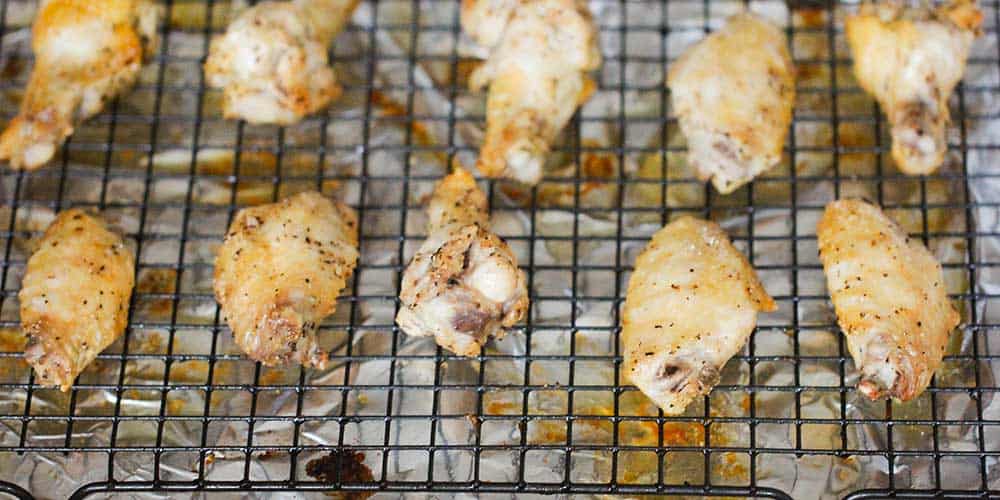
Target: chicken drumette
{"points": [[74, 296], [691, 304], [910, 59], [889, 294], [271, 63], [278, 274], [86, 53], [539, 54], [463, 285], [733, 93]]}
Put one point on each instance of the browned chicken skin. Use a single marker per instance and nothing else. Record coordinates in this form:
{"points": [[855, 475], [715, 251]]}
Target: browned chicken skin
{"points": [[733, 94], [691, 304], [888, 291], [271, 63], [911, 59], [86, 52], [540, 53], [278, 274], [74, 296], [463, 286]]}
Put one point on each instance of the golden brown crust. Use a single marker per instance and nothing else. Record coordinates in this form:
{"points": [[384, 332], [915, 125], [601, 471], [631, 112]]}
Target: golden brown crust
{"points": [[68, 84], [733, 94], [539, 54], [691, 303], [889, 295], [910, 59], [279, 272], [463, 286], [74, 296]]}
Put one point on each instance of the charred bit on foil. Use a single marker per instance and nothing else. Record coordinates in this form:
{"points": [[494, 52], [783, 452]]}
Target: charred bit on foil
{"points": [[343, 466]]}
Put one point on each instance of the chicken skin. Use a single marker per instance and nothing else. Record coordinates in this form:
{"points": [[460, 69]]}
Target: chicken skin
{"points": [[539, 54], [691, 304], [910, 59], [463, 286], [271, 63], [74, 296], [86, 53], [278, 274], [889, 294], [733, 94]]}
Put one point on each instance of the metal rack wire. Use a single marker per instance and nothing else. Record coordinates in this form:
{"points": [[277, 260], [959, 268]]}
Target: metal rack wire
{"points": [[110, 166]]}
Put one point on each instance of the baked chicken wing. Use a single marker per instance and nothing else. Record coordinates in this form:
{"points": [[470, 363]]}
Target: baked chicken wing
{"points": [[539, 54], [910, 59], [278, 274], [86, 53], [463, 285], [691, 304], [271, 63], [74, 296], [733, 94], [889, 294]]}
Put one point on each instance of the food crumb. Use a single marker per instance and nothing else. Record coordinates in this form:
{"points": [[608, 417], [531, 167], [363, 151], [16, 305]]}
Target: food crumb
{"points": [[347, 466]]}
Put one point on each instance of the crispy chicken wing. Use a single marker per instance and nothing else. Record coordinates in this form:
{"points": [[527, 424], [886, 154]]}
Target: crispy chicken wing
{"points": [[86, 52], [463, 285], [74, 296], [691, 304], [910, 59], [278, 274], [889, 294], [540, 51], [271, 63], [733, 93]]}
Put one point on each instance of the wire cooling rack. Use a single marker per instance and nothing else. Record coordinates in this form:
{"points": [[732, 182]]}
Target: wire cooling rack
{"points": [[174, 407]]}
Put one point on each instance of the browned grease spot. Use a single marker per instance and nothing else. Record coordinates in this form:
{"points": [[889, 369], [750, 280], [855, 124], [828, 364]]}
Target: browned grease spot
{"points": [[812, 17], [595, 167], [347, 466], [275, 377], [12, 340], [159, 281], [636, 467], [420, 135], [13, 67], [256, 169], [464, 69], [175, 406]]}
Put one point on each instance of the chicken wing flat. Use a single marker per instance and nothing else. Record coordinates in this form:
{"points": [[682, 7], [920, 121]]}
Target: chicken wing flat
{"points": [[271, 63], [691, 304], [733, 94], [86, 52], [889, 294], [540, 53], [74, 296], [278, 274], [910, 59], [463, 285]]}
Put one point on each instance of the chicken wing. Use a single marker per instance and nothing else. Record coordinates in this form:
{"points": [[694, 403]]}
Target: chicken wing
{"points": [[271, 63], [733, 93], [889, 294], [74, 296], [86, 52], [463, 285], [910, 59], [540, 51], [691, 304], [278, 274]]}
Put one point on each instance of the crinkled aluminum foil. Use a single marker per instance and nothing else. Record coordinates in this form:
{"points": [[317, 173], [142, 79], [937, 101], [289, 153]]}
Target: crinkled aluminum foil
{"points": [[585, 326]]}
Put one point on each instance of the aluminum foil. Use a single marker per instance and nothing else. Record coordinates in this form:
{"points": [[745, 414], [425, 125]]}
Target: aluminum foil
{"points": [[194, 160]]}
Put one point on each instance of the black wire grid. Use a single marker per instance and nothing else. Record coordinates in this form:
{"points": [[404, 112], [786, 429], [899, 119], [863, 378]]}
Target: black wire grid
{"points": [[107, 158]]}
